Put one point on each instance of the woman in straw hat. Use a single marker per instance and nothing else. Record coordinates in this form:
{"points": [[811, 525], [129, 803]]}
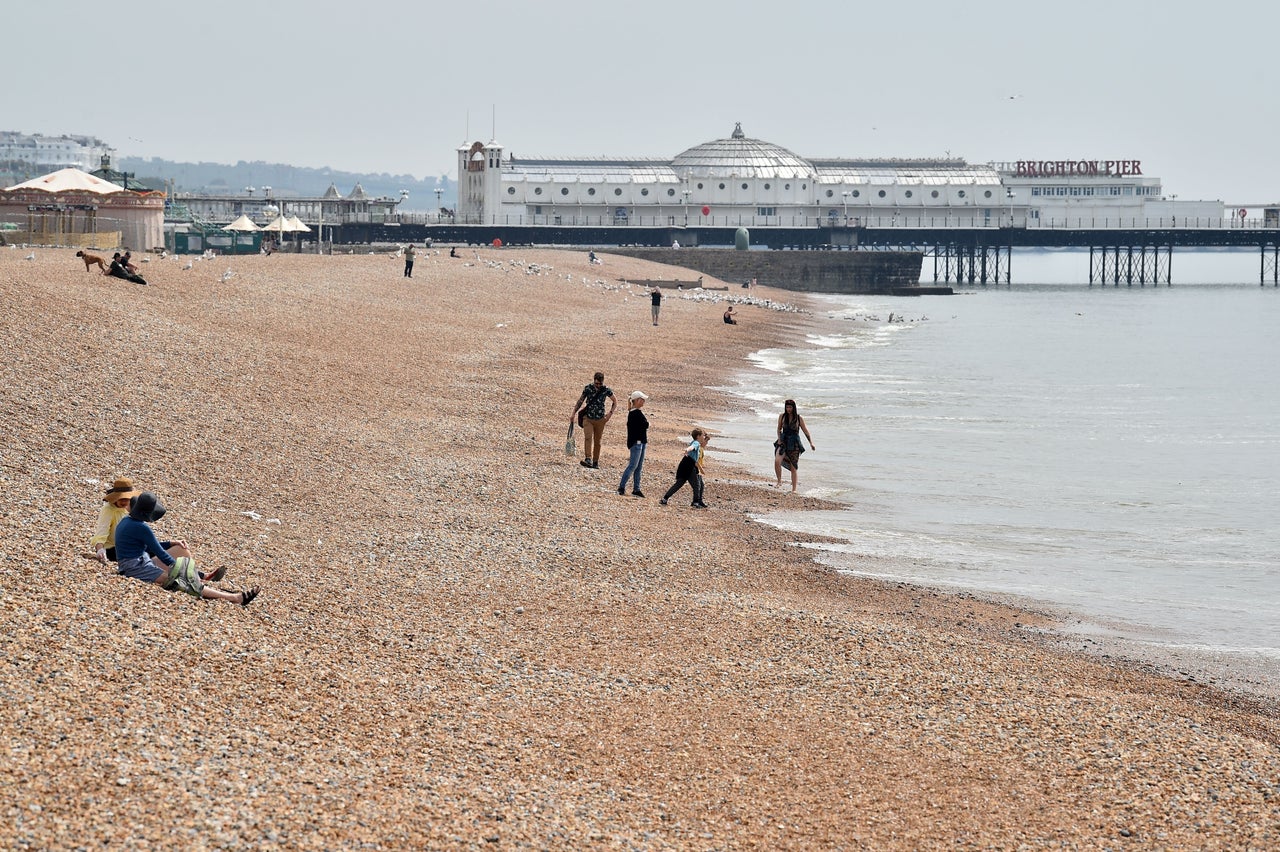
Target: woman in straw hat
{"points": [[116, 506]]}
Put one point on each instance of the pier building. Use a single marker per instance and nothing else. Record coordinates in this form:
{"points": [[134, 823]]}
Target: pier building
{"points": [[741, 181]]}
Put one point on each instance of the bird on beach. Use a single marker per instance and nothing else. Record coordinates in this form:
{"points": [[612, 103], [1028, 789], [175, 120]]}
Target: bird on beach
{"points": [[31, 256], [226, 276], [188, 265]]}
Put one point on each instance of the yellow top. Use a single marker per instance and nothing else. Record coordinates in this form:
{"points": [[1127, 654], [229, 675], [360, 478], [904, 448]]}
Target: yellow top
{"points": [[107, 520]]}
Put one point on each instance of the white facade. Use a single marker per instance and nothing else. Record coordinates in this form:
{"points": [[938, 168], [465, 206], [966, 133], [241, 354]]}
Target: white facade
{"points": [[743, 181], [53, 152]]}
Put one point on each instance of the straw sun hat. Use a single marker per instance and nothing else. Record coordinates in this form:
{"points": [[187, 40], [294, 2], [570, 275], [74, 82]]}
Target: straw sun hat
{"points": [[120, 489]]}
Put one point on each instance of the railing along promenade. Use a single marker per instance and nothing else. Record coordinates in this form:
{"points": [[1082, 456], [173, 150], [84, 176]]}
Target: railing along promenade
{"points": [[964, 248]]}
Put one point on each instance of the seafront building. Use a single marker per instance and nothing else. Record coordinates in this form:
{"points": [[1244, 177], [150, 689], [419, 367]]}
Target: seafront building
{"points": [[741, 181], [31, 154], [70, 207]]}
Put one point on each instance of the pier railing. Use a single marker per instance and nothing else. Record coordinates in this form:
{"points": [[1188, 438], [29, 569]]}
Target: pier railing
{"points": [[932, 221]]}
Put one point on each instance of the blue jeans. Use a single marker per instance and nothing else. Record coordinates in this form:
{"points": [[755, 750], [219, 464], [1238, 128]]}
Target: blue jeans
{"points": [[636, 463]]}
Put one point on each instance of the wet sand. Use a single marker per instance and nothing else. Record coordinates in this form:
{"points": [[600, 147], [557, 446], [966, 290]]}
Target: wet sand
{"points": [[466, 639]]}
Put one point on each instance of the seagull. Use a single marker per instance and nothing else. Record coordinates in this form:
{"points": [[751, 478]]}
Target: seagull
{"points": [[226, 276], [189, 265], [31, 256]]}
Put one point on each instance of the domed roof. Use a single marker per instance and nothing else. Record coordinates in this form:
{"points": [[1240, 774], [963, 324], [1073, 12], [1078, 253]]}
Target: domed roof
{"points": [[740, 156]]}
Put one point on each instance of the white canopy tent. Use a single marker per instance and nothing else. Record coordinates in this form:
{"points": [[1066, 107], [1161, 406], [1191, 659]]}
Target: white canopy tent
{"points": [[243, 224]]}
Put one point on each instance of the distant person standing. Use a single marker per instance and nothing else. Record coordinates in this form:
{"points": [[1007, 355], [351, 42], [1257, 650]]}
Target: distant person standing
{"points": [[590, 405], [655, 300], [637, 440], [408, 261], [788, 446]]}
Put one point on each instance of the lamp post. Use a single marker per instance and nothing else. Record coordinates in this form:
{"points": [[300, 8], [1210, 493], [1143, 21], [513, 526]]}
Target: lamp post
{"points": [[439, 193], [846, 195], [1008, 193], [686, 192]]}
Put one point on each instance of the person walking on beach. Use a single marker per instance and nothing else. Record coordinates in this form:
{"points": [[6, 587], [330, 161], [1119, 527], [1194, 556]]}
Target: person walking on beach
{"points": [[687, 470], [591, 405], [408, 261], [655, 299], [788, 446], [637, 440], [137, 546]]}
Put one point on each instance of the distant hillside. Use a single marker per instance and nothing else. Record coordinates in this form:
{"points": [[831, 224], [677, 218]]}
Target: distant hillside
{"points": [[287, 181]]}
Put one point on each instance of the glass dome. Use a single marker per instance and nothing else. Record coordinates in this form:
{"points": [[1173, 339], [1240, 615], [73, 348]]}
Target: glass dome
{"points": [[740, 156]]}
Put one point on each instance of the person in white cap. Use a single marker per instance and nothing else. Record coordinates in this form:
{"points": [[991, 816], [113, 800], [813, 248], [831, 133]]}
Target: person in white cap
{"points": [[637, 439]]}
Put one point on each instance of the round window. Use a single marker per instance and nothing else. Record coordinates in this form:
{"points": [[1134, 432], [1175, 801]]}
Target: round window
{"points": [[591, 191], [961, 193], [784, 186], [671, 192], [857, 192], [618, 191], [644, 191], [987, 194], [830, 193], [537, 190], [908, 193], [511, 190], [699, 186], [744, 186], [564, 190], [722, 186], [934, 193], [766, 186], [881, 193]]}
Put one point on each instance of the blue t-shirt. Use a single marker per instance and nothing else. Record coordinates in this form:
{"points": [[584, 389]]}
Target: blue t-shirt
{"points": [[133, 538], [694, 452]]}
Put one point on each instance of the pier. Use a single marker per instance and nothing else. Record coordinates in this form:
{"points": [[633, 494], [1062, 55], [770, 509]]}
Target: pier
{"points": [[976, 252]]}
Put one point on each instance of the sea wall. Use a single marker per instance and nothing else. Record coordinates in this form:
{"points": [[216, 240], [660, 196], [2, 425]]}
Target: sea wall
{"points": [[810, 271]]}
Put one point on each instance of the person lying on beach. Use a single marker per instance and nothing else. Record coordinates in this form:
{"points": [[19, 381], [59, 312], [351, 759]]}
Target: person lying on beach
{"points": [[137, 547], [118, 270]]}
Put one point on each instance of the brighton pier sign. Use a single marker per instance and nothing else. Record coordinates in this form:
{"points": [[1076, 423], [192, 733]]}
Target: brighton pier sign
{"points": [[1067, 168]]}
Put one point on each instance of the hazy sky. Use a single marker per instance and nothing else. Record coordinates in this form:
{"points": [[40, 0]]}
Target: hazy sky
{"points": [[393, 86]]}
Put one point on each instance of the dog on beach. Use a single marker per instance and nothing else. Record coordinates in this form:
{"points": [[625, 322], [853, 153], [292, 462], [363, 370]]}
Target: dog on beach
{"points": [[90, 260]]}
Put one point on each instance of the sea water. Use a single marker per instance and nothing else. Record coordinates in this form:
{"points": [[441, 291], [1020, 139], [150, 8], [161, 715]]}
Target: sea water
{"points": [[1113, 452]]}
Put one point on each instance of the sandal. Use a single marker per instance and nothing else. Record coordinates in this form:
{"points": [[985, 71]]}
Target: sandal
{"points": [[248, 595]]}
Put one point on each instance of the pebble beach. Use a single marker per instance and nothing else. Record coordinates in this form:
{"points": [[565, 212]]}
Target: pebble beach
{"points": [[465, 639]]}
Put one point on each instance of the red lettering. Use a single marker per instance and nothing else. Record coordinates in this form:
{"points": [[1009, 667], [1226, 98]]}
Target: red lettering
{"points": [[1110, 167], [1021, 169]]}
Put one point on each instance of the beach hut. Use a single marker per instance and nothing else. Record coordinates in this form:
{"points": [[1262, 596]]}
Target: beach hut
{"points": [[74, 208]]}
